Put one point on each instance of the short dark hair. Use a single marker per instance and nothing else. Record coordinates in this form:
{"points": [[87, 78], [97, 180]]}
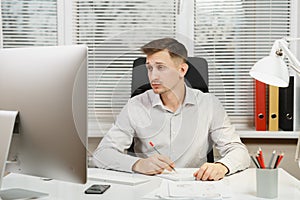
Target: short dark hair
{"points": [[175, 48]]}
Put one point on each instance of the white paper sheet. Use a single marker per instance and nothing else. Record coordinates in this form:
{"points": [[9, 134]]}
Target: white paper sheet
{"points": [[183, 190], [181, 174]]}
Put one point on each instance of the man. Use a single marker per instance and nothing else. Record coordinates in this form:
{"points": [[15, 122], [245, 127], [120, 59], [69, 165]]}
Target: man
{"points": [[183, 124]]}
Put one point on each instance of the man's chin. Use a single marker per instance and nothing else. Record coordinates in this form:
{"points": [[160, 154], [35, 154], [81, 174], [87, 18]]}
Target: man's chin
{"points": [[156, 91]]}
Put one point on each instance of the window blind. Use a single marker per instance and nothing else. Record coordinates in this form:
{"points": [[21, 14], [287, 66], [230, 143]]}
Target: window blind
{"points": [[29, 23], [114, 31], [232, 35]]}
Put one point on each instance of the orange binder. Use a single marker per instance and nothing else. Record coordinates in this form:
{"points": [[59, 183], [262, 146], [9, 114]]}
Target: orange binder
{"points": [[273, 108], [260, 106]]}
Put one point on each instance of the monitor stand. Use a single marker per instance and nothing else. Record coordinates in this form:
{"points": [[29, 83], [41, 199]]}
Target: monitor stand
{"points": [[7, 123], [18, 194], [297, 155]]}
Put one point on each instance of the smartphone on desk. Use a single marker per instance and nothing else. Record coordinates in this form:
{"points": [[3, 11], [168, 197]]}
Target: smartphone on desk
{"points": [[97, 189]]}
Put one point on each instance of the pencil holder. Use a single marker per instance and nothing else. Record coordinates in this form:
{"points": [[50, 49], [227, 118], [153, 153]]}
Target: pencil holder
{"points": [[267, 183]]}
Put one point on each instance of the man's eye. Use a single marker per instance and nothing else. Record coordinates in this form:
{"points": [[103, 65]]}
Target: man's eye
{"points": [[161, 67], [149, 67]]}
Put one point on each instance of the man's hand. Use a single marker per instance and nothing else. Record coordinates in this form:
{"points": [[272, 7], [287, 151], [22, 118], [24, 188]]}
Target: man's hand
{"points": [[211, 171], [155, 164]]}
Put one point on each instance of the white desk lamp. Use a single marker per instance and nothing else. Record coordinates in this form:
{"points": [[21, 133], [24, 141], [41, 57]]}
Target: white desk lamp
{"points": [[272, 70]]}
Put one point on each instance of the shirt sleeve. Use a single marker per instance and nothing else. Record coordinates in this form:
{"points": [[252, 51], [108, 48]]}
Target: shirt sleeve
{"points": [[234, 154], [111, 152]]}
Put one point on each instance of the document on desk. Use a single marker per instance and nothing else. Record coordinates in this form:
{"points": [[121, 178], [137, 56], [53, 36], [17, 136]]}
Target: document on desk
{"points": [[183, 190], [181, 174], [111, 176]]}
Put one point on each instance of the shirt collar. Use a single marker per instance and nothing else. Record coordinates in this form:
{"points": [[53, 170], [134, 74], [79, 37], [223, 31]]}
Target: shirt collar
{"points": [[189, 98]]}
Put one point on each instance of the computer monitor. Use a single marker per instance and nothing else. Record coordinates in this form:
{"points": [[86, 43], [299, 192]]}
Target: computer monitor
{"points": [[48, 88]]}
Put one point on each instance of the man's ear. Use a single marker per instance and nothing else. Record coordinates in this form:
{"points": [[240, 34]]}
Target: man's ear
{"points": [[183, 69]]}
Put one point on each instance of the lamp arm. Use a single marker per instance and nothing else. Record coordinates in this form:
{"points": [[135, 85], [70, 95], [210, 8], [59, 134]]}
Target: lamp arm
{"points": [[295, 68], [290, 55]]}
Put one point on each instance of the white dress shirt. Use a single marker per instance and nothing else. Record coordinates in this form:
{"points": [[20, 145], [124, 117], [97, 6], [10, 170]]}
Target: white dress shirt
{"points": [[185, 136]]}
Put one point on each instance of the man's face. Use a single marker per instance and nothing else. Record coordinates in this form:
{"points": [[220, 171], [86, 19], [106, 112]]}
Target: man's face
{"points": [[164, 74]]}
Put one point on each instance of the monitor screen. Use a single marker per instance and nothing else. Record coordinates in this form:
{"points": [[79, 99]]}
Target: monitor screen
{"points": [[48, 88]]}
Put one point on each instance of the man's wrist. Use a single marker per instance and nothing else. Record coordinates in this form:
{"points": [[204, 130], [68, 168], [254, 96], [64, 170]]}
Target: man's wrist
{"points": [[134, 167], [226, 169]]}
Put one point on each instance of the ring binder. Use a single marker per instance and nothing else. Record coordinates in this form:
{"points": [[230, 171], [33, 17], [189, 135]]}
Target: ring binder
{"points": [[286, 107], [260, 106], [273, 108]]}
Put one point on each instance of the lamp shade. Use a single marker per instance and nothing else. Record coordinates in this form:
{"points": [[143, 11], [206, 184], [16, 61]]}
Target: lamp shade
{"points": [[271, 70]]}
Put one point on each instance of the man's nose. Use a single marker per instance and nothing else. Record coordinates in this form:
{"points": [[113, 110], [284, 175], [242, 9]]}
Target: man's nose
{"points": [[154, 74]]}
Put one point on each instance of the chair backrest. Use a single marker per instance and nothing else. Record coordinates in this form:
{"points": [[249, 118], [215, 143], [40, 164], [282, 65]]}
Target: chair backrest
{"points": [[196, 77]]}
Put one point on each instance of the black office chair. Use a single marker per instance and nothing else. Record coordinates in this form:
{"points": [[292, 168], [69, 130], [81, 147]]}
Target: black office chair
{"points": [[196, 77]]}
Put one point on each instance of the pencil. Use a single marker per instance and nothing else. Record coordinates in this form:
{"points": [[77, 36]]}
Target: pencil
{"points": [[275, 165], [160, 154], [271, 160], [258, 160], [261, 157], [278, 160], [254, 162]]}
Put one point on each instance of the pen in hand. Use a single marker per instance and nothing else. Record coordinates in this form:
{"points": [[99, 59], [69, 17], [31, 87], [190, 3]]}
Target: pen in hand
{"points": [[160, 154]]}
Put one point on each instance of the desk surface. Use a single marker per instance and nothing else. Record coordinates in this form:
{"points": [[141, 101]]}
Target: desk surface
{"points": [[242, 185]]}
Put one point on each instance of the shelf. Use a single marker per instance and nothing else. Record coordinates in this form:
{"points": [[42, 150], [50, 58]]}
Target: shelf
{"points": [[269, 134]]}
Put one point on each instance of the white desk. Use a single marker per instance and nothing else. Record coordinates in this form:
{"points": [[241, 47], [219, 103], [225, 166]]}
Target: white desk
{"points": [[242, 185]]}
